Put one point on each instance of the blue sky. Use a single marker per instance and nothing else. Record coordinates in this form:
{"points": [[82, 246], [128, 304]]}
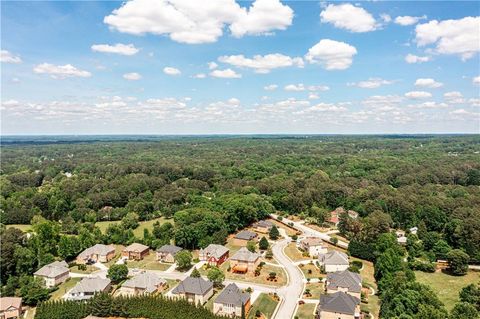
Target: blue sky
{"points": [[280, 67]]}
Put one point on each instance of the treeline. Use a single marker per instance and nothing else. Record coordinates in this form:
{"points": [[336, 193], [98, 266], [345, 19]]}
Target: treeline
{"points": [[104, 305]]}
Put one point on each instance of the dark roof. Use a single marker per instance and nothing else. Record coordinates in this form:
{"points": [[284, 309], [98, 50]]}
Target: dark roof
{"points": [[345, 279], [197, 286], [169, 249], [232, 295], [338, 302], [246, 235]]}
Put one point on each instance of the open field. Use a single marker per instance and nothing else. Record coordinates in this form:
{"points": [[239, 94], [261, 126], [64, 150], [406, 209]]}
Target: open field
{"points": [[148, 262], [305, 311], [64, 288], [265, 304], [446, 286], [294, 253]]}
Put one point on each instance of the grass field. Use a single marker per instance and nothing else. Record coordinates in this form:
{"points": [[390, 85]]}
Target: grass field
{"points": [[305, 311], [293, 253], [148, 262], [265, 304], [138, 232], [316, 289], [63, 288], [22, 227], [89, 270], [311, 271], [446, 286]]}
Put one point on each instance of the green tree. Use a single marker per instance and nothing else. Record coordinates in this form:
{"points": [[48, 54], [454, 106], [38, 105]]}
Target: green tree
{"points": [[441, 249], [195, 273], [263, 243], [216, 276], [117, 273], [32, 290], [130, 221], [458, 261], [464, 310], [274, 233], [471, 294], [251, 246], [69, 247], [183, 259], [101, 305]]}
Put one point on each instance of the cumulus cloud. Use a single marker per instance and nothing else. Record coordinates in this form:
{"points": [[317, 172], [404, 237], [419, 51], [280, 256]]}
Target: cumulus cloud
{"points": [[428, 105], [428, 83], [301, 87], [332, 55], [199, 21], [411, 58], [371, 83], [60, 71], [476, 80], [226, 74], [200, 76], [386, 17], [119, 48], [459, 37], [262, 64], [348, 17], [171, 71], [408, 20], [8, 57], [212, 65], [133, 76], [270, 87], [418, 95], [454, 97]]}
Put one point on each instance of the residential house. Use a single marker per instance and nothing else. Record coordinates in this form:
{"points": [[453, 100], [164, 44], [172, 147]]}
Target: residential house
{"points": [[263, 226], [335, 215], [97, 253], [231, 302], [244, 261], [314, 246], [195, 290], [10, 307], [413, 230], [143, 283], [243, 237], [87, 287], [135, 251], [338, 305], [346, 281], [167, 253], [334, 261], [214, 255], [54, 273], [401, 238]]}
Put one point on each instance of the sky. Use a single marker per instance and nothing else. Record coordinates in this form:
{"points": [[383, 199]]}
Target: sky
{"points": [[227, 67]]}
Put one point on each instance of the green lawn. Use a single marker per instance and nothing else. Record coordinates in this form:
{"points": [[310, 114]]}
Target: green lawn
{"points": [[293, 253], [138, 232], [305, 311], [446, 286], [310, 271], [22, 227], [265, 304], [90, 269], [64, 288], [118, 254], [148, 262], [316, 289], [209, 304]]}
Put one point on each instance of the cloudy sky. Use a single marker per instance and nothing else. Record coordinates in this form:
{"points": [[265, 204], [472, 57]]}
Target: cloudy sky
{"points": [[178, 67]]}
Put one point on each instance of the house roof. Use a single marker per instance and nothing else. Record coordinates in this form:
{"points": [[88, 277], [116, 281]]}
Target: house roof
{"points": [[345, 279], [334, 257], [8, 302], [232, 295], [263, 224], [53, 270], [169, 249], [243, 254], [312, 241], [197, 286], [98, 249], [246, 235], [90, 284], [339, 302], [145, 280], [216, 251], [136, 247]]}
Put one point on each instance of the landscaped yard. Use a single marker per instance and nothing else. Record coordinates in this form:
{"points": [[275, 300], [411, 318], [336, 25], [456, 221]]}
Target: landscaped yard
{"points": [[148, 262], [446, 286], [294, 253], [64, 288], [310, 271], [316, 289], [305, 311], [89, 270], [261, 279], [265, 304]]}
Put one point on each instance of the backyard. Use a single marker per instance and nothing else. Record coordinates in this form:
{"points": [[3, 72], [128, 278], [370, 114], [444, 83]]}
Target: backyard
{"points": [[64, 288], [265, 304]]}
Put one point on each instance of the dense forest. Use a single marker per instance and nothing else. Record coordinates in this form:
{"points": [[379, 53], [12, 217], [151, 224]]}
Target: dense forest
{"points": [[213, 186]]}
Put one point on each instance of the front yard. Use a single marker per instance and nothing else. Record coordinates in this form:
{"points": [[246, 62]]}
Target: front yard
{"points": [[316, 289], [148, 262], [305, 311], [266, 304], [261, 279], [310, 271], [64, 288], [294, 253]]}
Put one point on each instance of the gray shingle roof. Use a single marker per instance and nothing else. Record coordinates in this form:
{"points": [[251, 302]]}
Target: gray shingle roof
{"points": [[169, 249], [98, 249], [232, 295], [246, 235], [345, 279], [338, 302], [334, 258], [214, 250], [146, 280], [53, 270], [243, 254], [263, 223], [88, 284], [197, 286]]}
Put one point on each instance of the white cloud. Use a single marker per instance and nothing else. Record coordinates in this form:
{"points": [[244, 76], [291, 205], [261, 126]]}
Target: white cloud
{"points": [[171, 71], [371, 83], [200, 76], [429, 105], [386, 17], [60, 71], [10, 103], [212, 65], [226, 74], [383, 102], [8, 57], [348, 17], [474, 102], [119, 48], [271, 87], [454, 97], [428, 83], [418, 95], [476, 80], [313, 96], [262, 64], [411, 58], [332, 55], [408, 20], [326, 107], [301, 87], [460, 37], [133, 76], [261, 18], [294, 87], [198, 21]]}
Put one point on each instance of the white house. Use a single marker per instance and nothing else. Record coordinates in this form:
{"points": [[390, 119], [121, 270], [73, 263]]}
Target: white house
{"points": [[54, 273], [334, 261], [314, 246]]}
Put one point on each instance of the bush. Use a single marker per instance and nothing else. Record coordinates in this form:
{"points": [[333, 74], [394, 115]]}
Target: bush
{"points": [[422, 266], [357, 263]]}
